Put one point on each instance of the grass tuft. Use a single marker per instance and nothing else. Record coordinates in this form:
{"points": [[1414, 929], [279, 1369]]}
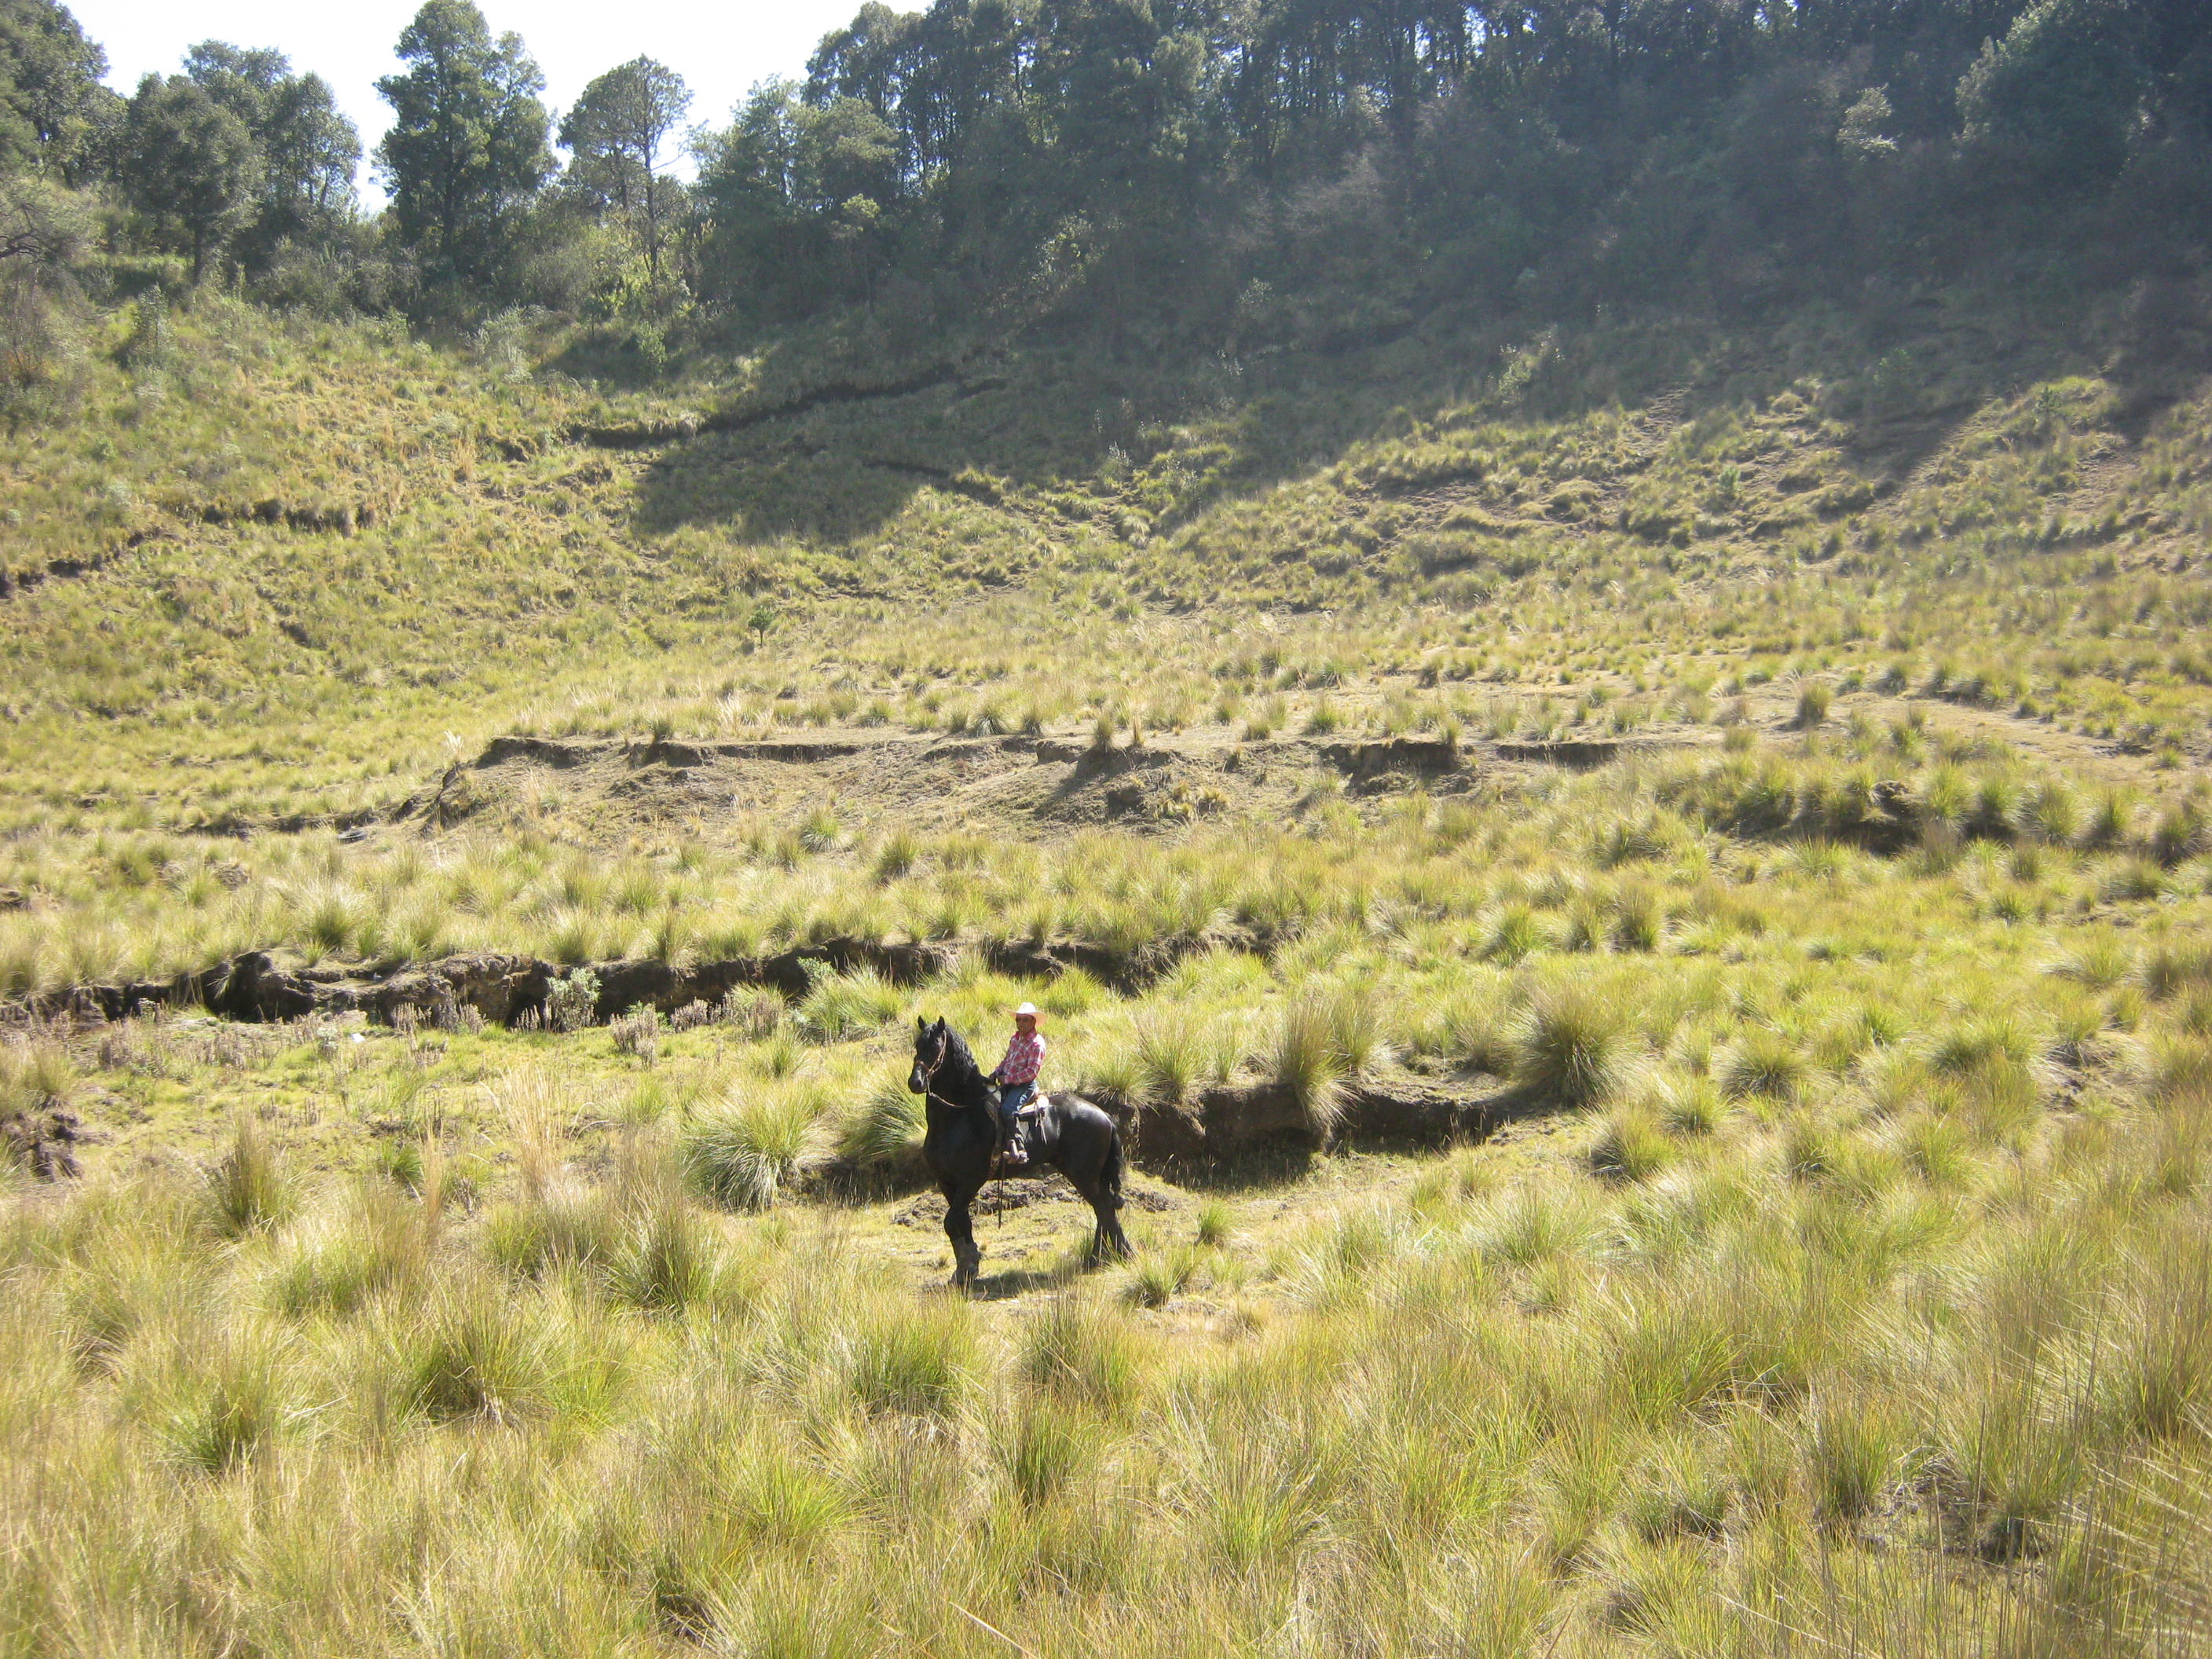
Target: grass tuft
{"points": [[244, 1190], [885, 1130], [921, 1361], [1571, 1045], [745, 1152]]}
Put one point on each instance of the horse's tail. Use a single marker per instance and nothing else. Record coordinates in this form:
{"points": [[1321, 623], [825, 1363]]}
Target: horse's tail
{"points": [[1109, 1173]]}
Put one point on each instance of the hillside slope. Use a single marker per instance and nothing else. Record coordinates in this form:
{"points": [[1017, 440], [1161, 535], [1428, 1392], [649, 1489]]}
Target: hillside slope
{"points": [[361, 540]]}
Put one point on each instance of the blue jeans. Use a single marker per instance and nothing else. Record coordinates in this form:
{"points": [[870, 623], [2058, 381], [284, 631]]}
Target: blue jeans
{"points": [[1012, 1097]]}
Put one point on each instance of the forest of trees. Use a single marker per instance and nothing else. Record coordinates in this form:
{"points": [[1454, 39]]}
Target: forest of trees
{"points": [[1239, 171]]}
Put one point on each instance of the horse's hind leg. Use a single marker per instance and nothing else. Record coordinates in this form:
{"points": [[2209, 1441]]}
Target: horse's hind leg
{"points": [[967, 1260], [1116, 1242], [1106, 1238], [1111, 1240]]}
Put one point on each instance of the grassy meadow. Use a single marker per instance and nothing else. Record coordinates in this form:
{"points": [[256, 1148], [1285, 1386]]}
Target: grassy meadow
{"points": [[1836, 1277]]}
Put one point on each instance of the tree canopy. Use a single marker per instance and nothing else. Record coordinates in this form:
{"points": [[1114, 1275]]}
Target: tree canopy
{"points": [[467, 152], [619, 135], [307, 148], [54, 110], [190, 165], [1246, 171]]}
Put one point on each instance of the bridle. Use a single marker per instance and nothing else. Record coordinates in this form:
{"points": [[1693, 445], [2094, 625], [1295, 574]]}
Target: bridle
{"points": [[943, 1049]]}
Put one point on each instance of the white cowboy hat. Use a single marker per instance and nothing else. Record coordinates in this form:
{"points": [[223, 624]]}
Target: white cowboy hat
{"points": [[1028, 1008]]}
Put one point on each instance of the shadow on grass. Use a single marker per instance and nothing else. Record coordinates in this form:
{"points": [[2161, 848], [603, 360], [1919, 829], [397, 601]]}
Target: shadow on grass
{"points": [[1257, 1170], [1065, 417], [1016, 1282]]}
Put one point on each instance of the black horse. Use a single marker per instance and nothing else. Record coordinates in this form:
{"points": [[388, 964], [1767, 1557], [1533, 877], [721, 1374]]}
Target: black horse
{"points": [[961, 1104]]}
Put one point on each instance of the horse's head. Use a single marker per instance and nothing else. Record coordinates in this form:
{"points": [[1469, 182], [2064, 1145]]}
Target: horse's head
{"points": [[931, 1045]]}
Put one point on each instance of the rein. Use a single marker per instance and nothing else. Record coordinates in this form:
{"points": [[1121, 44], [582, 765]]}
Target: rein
{"points": [[929, 1077]]}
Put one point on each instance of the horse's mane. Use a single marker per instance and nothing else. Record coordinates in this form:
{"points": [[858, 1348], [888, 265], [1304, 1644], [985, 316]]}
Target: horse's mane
{"points": [[961, 1069]]}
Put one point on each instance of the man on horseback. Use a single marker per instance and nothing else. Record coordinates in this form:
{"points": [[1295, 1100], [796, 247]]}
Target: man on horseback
{"points": [[1016, 1076]]}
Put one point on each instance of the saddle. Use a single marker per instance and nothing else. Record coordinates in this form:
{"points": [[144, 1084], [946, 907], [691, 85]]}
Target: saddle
{"points": [[1028, 1109]]}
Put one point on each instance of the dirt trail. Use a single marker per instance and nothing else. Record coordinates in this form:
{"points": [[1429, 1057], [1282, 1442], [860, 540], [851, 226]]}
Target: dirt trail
{"points": [[1038, 786]]}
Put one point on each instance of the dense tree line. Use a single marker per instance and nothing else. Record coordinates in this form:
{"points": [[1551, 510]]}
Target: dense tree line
{"points": [[1249, 169]]}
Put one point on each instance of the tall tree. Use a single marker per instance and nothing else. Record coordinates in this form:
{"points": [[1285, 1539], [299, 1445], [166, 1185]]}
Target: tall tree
{"points": [[618, 133], [308, 149], [466, 154], [2060, 95], [52, 103], [189, 165]]}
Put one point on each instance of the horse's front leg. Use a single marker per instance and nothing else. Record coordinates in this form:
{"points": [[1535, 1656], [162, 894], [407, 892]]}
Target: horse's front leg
{"points": [[967, 1260]]}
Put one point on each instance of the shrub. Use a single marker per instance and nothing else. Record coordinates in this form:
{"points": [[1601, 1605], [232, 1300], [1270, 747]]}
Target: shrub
{"points": [[552, 1227], [35, 1077], [572, 1002], [338, 1266], [920, 1360], [1515, 933], [1046, 1451], [1355, 1026], [1478, 1030], [752, 1013], [1168, 1049], [473, 1351], [841, 1006], [2170, 968], [1810, 1149], [1855, 1451], [1304, 1062], [1074, 991], [821, 831], [1691, 1108], [637, 1034], [664, 1257], [1569, 1047], [1631, 1148], [1213, 1223], [2162, 1385], [1988, 1039], [2051, 811], [1637, 920], [1531, 1224], [1327, 1035], [2099, 964], [897, 856], [2110, 824], [2132, 881], [1158, 1278], [1082, 1350], [2181, 834], [221, 1399]]}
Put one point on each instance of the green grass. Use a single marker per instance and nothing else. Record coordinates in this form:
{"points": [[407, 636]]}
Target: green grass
{"points": [[1636, 1358], [1848, 1276]]}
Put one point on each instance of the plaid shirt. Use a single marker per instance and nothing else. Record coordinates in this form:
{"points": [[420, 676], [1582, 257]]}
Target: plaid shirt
{"points": [[1024, 1058]]}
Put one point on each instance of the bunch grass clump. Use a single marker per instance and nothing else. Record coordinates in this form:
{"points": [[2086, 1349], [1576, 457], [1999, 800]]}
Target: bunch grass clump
{"points": [[749, 1148], [1571, 1046], [245, 1190], [1327, 1037], [885, 1130]]}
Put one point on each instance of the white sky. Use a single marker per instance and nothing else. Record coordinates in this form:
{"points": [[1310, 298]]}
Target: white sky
{"points": [[720, 49]]}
